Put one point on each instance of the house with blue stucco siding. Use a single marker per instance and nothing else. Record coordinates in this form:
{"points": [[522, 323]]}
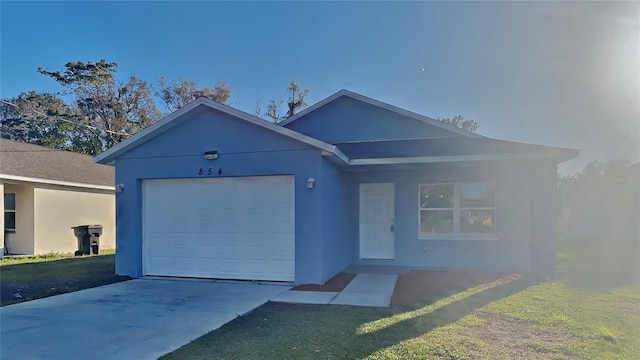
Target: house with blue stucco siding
{"points": [[213, 192]]}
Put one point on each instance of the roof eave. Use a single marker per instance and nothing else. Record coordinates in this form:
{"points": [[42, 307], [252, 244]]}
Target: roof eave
{"points": [[26, 179], [462, 158]]}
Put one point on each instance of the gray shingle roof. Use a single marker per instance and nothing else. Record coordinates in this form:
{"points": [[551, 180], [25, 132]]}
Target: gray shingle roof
{"points": [[454, 146], [40, 162]]}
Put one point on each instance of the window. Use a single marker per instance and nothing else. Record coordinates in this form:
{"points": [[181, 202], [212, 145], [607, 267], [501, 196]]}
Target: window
{"points": [[10, 212], [452, 210]]}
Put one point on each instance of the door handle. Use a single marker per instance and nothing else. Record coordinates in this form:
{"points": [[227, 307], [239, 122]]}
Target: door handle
{"points": [[393, 228]]}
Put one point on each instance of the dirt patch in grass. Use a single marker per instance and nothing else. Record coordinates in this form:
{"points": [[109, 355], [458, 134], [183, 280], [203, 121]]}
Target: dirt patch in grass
{"points": [[419, 286], [510, 338], [335, 284]]}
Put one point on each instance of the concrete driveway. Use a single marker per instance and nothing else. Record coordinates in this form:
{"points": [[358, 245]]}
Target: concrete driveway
{"points": [[137, 319]]}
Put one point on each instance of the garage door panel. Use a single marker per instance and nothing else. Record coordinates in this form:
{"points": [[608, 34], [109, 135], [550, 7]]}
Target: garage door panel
{"points": [[240, 228]]}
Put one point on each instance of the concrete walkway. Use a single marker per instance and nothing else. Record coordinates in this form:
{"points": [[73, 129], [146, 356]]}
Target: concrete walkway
{"points": [[137, 319], [364, 290]]}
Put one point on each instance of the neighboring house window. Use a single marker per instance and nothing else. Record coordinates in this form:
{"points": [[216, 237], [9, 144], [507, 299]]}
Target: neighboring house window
{"points": [[10, 212], [450, 209]]}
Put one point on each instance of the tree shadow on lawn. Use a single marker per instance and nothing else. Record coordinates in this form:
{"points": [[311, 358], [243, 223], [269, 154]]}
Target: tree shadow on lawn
{"points": [[410, 324]]}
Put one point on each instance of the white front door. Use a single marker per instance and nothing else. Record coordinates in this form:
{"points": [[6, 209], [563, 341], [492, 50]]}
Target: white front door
{"points": [[377, 221]]}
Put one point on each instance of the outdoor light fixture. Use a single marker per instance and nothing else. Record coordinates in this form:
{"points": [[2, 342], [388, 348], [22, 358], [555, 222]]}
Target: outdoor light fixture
{"points": [[211, 155], [311, 183], [119, 188]]}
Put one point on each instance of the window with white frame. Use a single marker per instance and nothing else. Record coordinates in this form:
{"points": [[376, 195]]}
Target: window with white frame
{"points": [[460, 208], [10, 212]]}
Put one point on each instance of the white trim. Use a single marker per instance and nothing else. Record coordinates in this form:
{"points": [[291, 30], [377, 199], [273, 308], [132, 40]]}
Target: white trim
{"points": [[385, 106], [9, 229], [56, 182], [464, 237], [157, 128], [450, 158]]}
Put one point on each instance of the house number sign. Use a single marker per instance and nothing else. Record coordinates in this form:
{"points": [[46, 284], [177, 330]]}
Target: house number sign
{"points": [[208, 172]]}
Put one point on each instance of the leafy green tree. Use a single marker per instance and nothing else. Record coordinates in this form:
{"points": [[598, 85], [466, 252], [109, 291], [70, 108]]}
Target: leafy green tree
{"points": [[460, 122], [37, 118], [106, 112], [178, 93]]}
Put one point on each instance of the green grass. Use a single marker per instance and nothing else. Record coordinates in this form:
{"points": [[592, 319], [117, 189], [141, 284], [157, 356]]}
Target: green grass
{"points": [[44, 257], [29, 278], [548, 320], [559, 319]]}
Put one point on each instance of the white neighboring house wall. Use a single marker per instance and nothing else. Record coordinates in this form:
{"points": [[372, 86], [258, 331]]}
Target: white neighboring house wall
{"points": [[21, 241], [57, 209]]}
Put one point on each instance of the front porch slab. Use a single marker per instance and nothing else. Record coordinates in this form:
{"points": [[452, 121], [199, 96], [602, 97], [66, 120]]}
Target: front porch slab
{"points": [[368, 290]]}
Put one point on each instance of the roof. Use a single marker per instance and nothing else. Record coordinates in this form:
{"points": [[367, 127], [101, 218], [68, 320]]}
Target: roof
{"points": [[22, 161], [165, 123], [470, 147], [383, 105], [447, 149]]}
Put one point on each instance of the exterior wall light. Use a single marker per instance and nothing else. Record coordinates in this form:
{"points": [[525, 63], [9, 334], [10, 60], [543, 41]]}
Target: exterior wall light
{"points": [[311, 182], [120, 188], [211, 155]]}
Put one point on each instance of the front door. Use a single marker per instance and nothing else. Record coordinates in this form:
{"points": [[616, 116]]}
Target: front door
{"points": [[377, 223]]}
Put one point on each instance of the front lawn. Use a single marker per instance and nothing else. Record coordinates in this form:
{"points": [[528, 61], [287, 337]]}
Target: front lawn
{"points": [[544, 321], [29, 278], [511, 317]]}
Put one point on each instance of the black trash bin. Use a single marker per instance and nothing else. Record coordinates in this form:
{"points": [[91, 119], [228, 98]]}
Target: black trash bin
{"points": [[88, 239]]}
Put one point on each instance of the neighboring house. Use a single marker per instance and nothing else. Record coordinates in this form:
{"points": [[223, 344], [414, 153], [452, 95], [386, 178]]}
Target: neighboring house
{"points": [[213, 192], [47, 191]]}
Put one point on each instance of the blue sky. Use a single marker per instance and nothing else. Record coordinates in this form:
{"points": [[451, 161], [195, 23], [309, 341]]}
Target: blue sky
{"points": [[557, 73]]}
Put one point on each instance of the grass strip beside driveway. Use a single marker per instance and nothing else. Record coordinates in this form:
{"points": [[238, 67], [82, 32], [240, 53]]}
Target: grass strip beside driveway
{"points": [[24, 279]]}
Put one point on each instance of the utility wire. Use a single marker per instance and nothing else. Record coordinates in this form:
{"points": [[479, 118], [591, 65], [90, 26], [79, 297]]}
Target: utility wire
{"points": [[69, 121]]}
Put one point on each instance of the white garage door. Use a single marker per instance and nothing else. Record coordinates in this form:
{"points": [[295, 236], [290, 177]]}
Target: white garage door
{"points": [[230, 228]]}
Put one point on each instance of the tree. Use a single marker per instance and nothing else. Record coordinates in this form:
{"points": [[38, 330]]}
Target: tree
{"points": [[104, 111], [297, 98], [295, 102], [273, 111], [178, 93], [459, 122], [37, 118]]}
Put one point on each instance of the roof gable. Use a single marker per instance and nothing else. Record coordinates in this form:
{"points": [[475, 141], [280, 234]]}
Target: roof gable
{"points": [[174, 118], [347, 116], [21, 161]]}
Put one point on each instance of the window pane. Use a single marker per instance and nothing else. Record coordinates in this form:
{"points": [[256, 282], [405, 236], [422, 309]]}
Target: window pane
{"points": [[436, 196], [10, 220], [477, 195], [9, 201], [436, 221], [477, 221]]}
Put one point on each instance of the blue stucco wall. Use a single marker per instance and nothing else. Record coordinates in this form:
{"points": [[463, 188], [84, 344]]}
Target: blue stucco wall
{"points": [[346, 119], [514, 195], [337, 234], [245, 150]]}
